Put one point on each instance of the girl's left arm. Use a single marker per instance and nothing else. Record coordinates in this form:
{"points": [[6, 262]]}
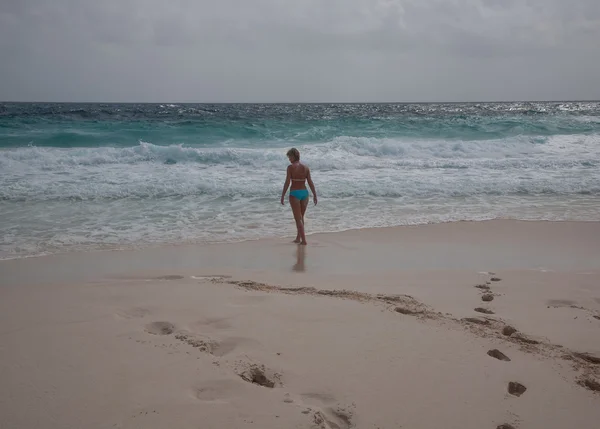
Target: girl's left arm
{"points": [[288, 177]]}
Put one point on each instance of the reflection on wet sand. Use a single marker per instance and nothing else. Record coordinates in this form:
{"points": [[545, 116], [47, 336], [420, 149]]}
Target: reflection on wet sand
{"points": [[299, 266]]}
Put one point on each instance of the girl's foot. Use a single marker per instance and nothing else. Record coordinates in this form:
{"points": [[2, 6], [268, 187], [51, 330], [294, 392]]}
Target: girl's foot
{"points": [[297, 240], [303, 243]]}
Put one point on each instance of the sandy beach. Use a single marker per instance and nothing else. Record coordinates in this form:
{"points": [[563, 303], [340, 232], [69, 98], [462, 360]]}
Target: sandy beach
{"points": [[466, 325]]}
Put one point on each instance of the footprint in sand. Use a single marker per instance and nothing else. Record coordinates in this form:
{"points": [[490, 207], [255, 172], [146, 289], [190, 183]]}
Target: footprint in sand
{"points": [[484, 310], [516, 389], [597, 317], [160, 328], [487, 297], [215, 391], [257, 374], [203, 344], [505, 426], [508, 330], [495, 353], [218, 348], [330, 418], [495, 279], [325, 415], [132, 313]]}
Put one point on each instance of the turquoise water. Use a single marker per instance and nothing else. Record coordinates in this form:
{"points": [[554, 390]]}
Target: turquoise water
{"points": [[89, 176]]}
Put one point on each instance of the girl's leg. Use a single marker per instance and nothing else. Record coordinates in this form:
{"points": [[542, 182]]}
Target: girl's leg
{"points": [[297, 239], [297, 211], [304, 205]]}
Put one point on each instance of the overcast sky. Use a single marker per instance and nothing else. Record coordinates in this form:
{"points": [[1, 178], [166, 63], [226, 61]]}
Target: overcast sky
{"points": [[300, 50]]}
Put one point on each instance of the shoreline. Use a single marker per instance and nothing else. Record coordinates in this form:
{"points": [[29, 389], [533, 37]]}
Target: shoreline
{"points": [[160, 245], [424, 247]]}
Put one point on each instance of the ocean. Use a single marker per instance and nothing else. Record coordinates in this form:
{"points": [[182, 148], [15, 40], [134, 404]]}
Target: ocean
{"points": [[114, 176]]}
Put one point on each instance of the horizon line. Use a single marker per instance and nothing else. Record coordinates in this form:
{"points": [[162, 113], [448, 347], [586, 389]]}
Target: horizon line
{"points": [[303, 102]]}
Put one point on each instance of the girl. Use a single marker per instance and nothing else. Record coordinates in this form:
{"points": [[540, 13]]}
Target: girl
{"points": [[297, 174]]}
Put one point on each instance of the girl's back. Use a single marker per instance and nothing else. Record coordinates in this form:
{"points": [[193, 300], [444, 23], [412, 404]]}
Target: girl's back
{"points": [[298, 173]]}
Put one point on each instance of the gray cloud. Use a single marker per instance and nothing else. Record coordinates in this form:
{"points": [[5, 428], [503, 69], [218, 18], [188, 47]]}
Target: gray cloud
{"points": [[310, 50]]}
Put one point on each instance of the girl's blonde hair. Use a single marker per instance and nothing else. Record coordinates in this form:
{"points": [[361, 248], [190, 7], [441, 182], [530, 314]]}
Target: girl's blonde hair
{"points": [[294, 152]]}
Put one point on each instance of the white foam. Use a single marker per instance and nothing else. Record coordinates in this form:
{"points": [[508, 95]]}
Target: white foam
{"points": [[53, 199]]}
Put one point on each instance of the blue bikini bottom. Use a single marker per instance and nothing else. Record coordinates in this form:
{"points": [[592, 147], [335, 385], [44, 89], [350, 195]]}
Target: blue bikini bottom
{"points": [[301, 194]]}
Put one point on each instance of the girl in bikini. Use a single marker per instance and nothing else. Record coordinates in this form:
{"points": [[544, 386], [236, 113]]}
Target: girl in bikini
{"points": [[297, 174]]}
